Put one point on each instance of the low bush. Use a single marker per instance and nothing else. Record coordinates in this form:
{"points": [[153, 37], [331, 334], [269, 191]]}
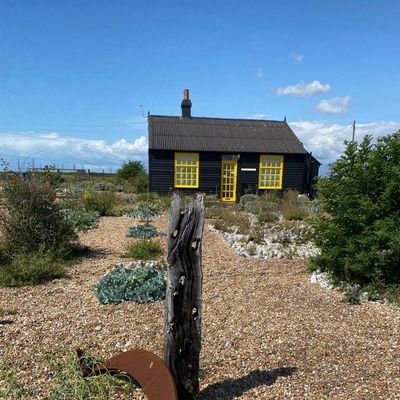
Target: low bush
{"points": [[144, 250], [100, 202], [31, 269], [380, 291], [31, 219], [229, 220], [293, 213], [82, 220], [141, 284]]}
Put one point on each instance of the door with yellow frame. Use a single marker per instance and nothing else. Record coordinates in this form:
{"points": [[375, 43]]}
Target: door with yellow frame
{"points": [[228, 180]]}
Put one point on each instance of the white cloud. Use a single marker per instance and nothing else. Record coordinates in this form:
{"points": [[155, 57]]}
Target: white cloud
{"points": [[296, 56], [335, 105], [326, 141], [63, 151], [303, 89], [255, 116], [260, 73]]}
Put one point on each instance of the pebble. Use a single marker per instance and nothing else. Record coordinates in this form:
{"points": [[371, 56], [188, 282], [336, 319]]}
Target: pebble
{"points": [[276, 245]]}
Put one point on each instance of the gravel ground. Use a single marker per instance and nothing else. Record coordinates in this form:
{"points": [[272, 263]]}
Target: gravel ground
{"points": [[267, 332]]}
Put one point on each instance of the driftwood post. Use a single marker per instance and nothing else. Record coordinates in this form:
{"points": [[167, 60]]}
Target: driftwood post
{"points": [[182, 330]]}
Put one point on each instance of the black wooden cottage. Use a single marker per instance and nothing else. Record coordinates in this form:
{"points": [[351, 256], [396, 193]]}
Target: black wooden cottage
{"points": [[229, 157]]}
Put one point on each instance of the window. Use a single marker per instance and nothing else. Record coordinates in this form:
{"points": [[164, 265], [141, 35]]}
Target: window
{"points": [[186, 170], [271, 171]]}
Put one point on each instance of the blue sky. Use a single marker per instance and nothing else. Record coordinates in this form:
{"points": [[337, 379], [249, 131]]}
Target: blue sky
{"points": [[76, 77]]}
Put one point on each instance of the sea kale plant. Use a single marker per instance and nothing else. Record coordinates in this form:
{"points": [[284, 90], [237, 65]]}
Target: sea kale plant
{"points": [[141, 284], [145, 231], [358, 229], [145, 212]]}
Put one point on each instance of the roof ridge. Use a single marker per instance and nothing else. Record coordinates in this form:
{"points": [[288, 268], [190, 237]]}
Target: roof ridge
{"points": [[217, 118]]}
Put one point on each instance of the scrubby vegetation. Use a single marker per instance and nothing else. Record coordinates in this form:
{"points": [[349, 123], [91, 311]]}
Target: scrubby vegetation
{"points": [[99, 202], [358, 229], [144, 250], [31, 220], [68, 380], [37, 238], [271, 225], [134, 177]]}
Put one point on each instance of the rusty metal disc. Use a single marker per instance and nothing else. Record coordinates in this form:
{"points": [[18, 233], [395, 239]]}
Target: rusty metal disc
{"points": [[146, 368]]}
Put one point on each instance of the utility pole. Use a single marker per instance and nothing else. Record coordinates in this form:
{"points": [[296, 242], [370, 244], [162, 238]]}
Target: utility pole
{"points": [[354, 130]]}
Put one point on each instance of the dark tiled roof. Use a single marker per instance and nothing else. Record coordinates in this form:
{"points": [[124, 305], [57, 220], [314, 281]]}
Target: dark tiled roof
{"points": [[225, 135]]}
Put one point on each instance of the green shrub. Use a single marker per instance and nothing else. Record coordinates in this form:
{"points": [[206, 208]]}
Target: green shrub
{"points": [[82, 220], [294, 213], [31, 269], [4, 256], [229, 220], [100, 202], [140, 184], [145, 231], [358, 231], [140, 284], [131, 169], [379, 291], [144, 250], [31, 219]]}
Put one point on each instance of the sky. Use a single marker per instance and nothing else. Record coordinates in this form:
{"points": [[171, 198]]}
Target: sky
{"points": [[78, 77]]}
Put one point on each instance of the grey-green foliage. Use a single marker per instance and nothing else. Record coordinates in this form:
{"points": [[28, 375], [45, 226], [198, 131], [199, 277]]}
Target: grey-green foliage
{"points": [[144, 212], [81, 219], [145, 231], [141, 284]]}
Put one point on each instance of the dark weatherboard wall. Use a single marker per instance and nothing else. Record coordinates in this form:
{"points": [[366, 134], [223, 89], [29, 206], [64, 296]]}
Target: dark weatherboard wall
{"points": [[161, 175]]}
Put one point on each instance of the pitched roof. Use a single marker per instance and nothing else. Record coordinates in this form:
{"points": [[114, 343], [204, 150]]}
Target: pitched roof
{"points": [[223, 135]]}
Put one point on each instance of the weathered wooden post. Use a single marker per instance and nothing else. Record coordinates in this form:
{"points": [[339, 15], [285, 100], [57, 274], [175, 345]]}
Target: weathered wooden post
{"points": [[182, 330]]}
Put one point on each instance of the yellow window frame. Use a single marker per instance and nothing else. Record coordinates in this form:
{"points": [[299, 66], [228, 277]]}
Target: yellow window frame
{"points": [[186, 170], [270, 173]]}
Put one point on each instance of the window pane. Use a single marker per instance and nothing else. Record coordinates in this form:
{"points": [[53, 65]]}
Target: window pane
{"points": [[186, 169]]}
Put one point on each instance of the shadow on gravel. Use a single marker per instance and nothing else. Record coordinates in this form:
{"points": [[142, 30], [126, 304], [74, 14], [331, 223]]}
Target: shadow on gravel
{"points": [[87, 252], [232, 388]]}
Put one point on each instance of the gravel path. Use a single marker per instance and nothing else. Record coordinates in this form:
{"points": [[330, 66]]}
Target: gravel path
{"points": [[267, 332]]}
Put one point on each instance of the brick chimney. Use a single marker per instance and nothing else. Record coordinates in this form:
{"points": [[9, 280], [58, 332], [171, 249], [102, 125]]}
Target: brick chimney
{"points": [[186, 104]]}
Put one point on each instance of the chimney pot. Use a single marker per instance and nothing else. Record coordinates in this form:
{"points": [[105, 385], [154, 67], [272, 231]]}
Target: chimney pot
{"points": [[186, 104]]}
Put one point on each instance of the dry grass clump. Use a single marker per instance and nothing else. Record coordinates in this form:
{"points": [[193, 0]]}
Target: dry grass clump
{"points": [[228, 219]]}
